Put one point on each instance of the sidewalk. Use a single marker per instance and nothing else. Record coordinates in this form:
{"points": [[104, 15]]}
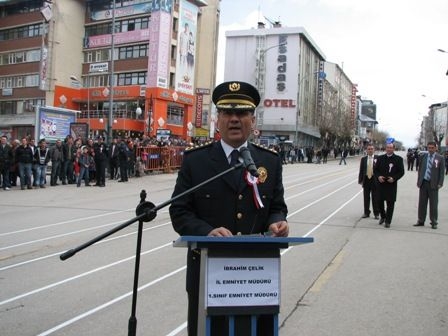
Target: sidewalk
{"points": [[383, 281]]}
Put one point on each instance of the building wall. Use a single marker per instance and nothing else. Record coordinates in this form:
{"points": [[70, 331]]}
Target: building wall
{"points": [[206, 56], [283, 64], [85, 59], [65, 43]]}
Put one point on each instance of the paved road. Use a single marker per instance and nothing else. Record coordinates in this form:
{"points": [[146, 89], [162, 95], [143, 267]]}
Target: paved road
{"points": [[358, 278]]}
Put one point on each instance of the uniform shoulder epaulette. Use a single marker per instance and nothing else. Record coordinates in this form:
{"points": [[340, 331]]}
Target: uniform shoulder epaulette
{"points": [[196, 147], [265, 148]]}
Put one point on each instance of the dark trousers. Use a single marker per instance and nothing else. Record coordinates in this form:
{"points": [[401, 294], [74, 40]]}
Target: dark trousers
{"points": [[386, 213], [100, 172], [123, 170], [55, 172], [426, 194], [67, 172], [369, 190], [113, 168], [6, 181]]}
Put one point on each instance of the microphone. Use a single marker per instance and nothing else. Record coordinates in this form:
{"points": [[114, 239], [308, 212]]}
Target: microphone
{"points": [[248, 162]]}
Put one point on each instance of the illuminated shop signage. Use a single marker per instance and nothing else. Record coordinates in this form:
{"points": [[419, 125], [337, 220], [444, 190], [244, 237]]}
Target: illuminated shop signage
{"points": [[282, 60], [279, 103]]}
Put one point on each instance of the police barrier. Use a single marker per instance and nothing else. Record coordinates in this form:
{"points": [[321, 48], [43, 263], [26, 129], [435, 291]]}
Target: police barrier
{"points": [[163, 159]]}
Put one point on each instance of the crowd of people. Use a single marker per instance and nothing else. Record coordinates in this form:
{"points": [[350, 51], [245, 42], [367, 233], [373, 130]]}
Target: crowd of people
{"points": [[24, 164], [297, 154]]}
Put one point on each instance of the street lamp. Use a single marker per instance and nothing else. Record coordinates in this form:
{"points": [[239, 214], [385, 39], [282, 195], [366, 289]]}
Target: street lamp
{"points": [[111, 83], [446, 52]]}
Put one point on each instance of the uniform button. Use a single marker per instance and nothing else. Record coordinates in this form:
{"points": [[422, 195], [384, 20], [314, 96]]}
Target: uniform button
{"points": [[207, 196], [240, 197], [239, 215]]}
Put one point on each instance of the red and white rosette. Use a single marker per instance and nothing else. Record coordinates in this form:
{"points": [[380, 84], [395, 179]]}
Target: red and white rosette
{"points": [[252, 182]]}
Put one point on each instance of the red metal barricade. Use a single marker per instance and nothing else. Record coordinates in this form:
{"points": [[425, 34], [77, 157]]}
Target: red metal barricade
{"points": [[163, 159]]}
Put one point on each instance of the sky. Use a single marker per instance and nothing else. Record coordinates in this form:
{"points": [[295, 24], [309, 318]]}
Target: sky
{"points": [[389, 48]]}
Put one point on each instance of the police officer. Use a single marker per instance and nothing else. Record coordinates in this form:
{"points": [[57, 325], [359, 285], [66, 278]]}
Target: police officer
{"points": [[227, 206]]}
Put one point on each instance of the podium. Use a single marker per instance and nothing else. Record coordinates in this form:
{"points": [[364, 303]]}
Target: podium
{"points": [[239, 280]]}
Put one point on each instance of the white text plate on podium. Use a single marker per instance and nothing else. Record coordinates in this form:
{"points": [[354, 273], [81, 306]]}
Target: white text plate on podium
{"points": [[243, 282]]}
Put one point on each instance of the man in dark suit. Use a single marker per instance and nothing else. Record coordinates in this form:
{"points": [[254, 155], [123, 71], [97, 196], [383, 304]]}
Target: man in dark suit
{"points": [[101, 158], [388, 170], [6, 159], [113, 159], [367, 180], [431, 174], [227, 206]]}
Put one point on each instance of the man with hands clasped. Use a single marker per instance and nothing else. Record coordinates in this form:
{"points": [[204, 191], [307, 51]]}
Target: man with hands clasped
{"points": [[388, 170]]}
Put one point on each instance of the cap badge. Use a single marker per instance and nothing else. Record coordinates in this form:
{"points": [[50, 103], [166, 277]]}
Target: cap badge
{"points": [[234, 87]]}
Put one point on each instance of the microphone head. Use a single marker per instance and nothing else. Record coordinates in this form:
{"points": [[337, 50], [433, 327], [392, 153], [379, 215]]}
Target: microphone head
{"points": [[248, 161]]}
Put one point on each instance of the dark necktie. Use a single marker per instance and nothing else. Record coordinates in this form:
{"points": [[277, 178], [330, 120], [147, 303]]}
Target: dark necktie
{"points": [[234, 157]]}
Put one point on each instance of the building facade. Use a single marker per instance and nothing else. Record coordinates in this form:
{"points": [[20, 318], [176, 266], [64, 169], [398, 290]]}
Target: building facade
{"points": [[140, 77], [284, 64]]}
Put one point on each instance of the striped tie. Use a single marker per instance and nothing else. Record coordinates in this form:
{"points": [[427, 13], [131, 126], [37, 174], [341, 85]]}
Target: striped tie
{"points": [[428, 168]]}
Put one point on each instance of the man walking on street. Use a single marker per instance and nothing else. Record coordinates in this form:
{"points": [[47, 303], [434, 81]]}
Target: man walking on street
{"points": [[367, 180], [431, 174], [388, 170]]}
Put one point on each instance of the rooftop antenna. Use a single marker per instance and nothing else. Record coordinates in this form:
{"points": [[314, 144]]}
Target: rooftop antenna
{"points": [[274, 24]]}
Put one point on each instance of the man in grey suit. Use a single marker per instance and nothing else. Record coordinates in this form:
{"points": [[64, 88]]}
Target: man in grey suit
{"points": [[431, 173]]}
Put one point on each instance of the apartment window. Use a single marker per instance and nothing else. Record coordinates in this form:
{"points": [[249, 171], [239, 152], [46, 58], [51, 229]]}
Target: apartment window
{"points": [[19, 81], [98, 56], [89, 57], [32, 80], [33, 55], [8, 107], [175, 114], [133, 78], [21, 32], [133, 51]]}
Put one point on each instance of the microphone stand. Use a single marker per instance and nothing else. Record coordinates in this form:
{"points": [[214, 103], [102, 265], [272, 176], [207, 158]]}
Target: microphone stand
{"points": [[146, 212]]}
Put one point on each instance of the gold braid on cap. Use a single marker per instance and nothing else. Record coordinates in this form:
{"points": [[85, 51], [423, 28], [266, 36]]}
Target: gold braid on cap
{"points": [[241, 103]]}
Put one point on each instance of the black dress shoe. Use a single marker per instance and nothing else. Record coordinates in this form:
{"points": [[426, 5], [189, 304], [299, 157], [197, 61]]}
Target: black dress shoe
{"points": [[376, 217], [419, 224], [382, 220], [365, 216], [387, 225], [434, 226]]}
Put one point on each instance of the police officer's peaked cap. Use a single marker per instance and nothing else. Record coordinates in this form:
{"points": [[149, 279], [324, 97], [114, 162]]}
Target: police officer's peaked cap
{"points": [[235, 96]]}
